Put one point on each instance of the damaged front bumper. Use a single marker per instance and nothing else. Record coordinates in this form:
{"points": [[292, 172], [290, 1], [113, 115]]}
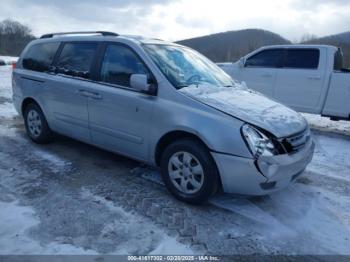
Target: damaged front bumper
{"points": [[248, 176]]}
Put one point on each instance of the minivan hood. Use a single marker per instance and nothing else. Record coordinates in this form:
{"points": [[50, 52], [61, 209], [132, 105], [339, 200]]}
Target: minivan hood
{"points": [[249, 106]]}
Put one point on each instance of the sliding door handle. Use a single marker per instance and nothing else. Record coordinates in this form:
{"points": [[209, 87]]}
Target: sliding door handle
{"points": [[83, 92], [90, 94], [314, 77], [94, 95]]}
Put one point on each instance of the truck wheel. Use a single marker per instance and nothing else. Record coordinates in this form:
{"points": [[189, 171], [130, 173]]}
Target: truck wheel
{"points": [[189, 172], [36, 125]]}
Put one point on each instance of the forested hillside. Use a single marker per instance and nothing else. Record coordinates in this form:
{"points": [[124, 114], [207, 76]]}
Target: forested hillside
{"points": [[230, 46], [341, 40]]}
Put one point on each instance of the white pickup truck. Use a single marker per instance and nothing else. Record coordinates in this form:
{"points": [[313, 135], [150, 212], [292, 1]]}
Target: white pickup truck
{"points": [[308, 78]]}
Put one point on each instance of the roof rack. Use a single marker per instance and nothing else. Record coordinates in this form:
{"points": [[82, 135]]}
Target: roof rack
{"points": [[103, 33]]}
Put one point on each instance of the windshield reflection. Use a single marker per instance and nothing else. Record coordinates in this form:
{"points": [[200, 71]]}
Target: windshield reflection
{"points": [[183, 66]]}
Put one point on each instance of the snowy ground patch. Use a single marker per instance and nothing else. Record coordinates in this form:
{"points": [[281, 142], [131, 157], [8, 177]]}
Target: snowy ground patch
{"points": [[7, 110], [15, 221], [58, 164], [140, 234], [26, 229], [5, 82], [331, 157]]}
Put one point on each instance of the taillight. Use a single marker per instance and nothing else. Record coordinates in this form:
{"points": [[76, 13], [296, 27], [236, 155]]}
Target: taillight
{"points": [[13, 65]]}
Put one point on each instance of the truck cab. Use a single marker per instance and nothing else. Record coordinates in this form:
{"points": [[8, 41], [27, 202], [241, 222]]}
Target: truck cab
{"points": [[308, 78]]}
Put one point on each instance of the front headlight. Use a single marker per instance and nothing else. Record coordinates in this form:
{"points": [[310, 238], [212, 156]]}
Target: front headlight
{"points": [[259, 144]]}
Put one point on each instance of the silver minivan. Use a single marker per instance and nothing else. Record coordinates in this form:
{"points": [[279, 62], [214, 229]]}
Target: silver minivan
{"points": [[163, 104]]}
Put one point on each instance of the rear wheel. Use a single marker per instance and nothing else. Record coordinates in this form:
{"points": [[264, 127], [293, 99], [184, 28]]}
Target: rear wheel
{"points": [[36, 125], [189, 171]]}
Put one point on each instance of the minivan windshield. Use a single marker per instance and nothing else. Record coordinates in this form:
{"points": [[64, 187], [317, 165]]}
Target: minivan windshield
{"points": [[183, 66]]}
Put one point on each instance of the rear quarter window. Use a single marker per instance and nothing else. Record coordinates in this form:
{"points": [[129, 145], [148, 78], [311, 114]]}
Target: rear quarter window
{"points": [[40, 56]]}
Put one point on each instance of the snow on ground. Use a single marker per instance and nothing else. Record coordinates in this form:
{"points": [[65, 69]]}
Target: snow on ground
{"points": [[331, 157], [310, 216], [317, 220], [9, 59], [5, 81], [133, 234], [20, 219], [16, 221], [325, 124], [131, 225], [7, 110], [58, 163]]}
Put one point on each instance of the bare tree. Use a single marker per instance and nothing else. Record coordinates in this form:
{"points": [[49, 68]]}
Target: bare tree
{"points": [[13, 37], [308, 38]]}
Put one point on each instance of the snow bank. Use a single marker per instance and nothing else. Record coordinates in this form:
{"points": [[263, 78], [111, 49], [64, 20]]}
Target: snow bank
{"points": [[327, 125]]}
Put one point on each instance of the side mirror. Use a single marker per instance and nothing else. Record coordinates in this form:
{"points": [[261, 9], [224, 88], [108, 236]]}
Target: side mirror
{"points": [[140, 82], [241, 62]]}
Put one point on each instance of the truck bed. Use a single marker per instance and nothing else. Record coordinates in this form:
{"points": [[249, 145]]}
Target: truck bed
{"points": [[337, 104]]}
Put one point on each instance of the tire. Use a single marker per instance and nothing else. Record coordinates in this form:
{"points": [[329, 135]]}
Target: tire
{"points": [[189, 171], [36, 125]]}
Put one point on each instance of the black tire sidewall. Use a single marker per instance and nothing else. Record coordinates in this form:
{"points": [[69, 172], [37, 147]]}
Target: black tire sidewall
{"points": [[46, 134], [201, 152]]}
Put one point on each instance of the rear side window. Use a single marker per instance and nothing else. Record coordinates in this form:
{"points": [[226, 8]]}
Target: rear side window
{"points": [[40, 56], [119, 63], [302, 58], [271, 58], [76, 58]]}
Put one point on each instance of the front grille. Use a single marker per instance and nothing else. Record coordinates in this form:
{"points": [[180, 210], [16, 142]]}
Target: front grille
{"points": [[296, 142]]}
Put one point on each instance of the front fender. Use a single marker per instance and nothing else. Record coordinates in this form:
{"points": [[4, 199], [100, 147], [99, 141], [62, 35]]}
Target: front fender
{"points": [[220, 132]]}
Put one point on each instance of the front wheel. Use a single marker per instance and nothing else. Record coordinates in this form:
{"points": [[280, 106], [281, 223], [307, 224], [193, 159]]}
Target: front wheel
{"points": [[189, 171]]}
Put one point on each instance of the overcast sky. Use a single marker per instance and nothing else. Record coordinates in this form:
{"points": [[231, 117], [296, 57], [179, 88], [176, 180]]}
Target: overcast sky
{"points": [[181, 19]]}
